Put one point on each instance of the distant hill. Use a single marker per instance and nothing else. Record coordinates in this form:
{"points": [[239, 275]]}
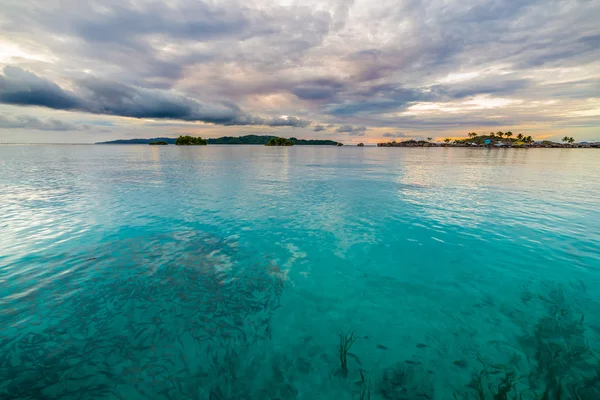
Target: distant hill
{"points": [[248, 139], [140, 141]]}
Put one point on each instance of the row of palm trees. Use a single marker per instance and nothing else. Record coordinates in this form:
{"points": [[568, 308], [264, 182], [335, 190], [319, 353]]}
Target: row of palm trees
{"points": [[505, 135], [568, 140], [499, 135]]}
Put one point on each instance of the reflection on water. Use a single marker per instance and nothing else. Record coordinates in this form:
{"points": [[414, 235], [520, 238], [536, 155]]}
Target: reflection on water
{"points": [[230, 272]]}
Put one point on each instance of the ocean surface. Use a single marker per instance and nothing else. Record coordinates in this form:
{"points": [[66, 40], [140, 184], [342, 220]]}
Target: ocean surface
{"points": [[250, 272]]}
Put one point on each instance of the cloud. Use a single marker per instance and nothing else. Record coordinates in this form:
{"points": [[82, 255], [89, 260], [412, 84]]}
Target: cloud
{"points": [[281, 121], [352, 131], [344, 128], [19, 87], [499, 86], [319, 128], [29, 122], [350, 62], [394, 134], [314, 92]]}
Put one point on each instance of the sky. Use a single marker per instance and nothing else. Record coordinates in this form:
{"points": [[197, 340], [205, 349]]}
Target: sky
{"points": [[353, 71]]}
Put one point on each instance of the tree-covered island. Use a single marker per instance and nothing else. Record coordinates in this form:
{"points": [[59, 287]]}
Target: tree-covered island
{"points": [[190, 141], [278, 141]]}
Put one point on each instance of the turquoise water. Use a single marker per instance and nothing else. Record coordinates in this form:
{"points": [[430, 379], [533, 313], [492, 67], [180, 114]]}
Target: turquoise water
{"points": [[232, 272]]}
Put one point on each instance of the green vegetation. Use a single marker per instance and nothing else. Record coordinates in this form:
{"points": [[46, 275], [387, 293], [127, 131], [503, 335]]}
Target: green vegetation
{"points": [[314, 142], [190, 141], [279, 142], [498, 137], [248, 139], [159, 143], [474, 139], [558, 363], [263, 140], [365, 387], [346, 342], [568, 140]]}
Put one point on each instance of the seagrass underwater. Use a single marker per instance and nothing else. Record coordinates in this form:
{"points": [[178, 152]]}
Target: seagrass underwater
{"points": [[247, 272]]}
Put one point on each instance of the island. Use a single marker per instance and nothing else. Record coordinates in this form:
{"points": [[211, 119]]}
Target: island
{"points": [[190, 141], [159, 143], [279, 142], [140, 141], [496, 140], [361, 145], [263, 140], [248, 139]]}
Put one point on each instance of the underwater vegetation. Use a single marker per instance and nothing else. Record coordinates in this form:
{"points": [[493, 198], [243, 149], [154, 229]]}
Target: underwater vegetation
{"points": [[190, 316], [552, 361], [346, 342], [406, 382], [165, 317], [557, 363], [365, 387]]}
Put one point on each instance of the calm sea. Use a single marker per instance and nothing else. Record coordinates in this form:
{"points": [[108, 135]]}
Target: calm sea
{"points": [[232, 272]]}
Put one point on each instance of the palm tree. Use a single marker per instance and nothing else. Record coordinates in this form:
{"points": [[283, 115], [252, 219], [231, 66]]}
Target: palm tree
{"points": [[508, 134], [565, 139], [520, 136], [447, 140], [529, 139], [571, 140], [429, 139], [499, 134]]}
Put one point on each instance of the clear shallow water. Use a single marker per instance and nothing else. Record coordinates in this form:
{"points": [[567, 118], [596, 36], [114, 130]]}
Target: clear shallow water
{"points": [[229, 272]]}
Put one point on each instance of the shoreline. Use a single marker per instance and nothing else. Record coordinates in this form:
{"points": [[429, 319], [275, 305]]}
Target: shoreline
{"points": [[431, 146]]}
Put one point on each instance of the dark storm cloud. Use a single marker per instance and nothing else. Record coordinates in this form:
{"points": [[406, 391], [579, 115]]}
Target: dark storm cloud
{"points": [[319, 128], [21, 87], [352, 130], [29, 122], [18, 87]]}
